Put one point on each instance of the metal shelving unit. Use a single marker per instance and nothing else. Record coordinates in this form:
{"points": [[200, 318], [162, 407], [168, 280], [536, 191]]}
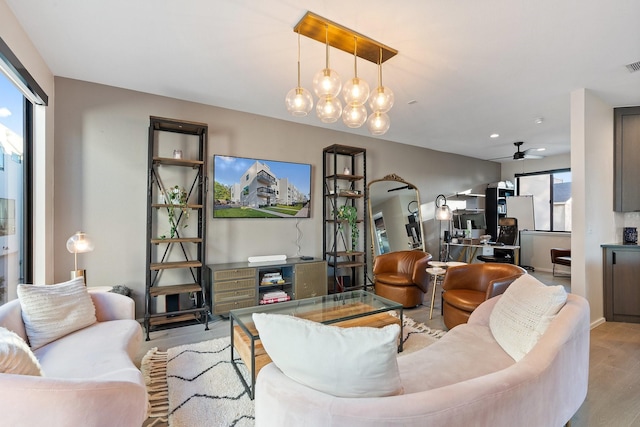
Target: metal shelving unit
{"points": [[347, 266], [175, 263]]}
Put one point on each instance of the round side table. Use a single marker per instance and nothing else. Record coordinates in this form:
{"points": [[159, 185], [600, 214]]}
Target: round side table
{"points": [[435, 272]]}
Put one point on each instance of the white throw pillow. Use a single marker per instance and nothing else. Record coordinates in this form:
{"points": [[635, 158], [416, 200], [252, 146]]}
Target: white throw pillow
{"points": [[15, 355], [343, 362], [523, 313], [50, 312]]}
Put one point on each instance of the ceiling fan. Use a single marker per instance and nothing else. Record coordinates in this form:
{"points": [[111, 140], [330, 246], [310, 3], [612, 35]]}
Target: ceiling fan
{"points": [[521, 155]]}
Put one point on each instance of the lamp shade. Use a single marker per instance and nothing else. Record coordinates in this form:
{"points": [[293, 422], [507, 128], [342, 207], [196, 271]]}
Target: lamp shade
{"points": [[378, 123], [354, 115], [329, 109], [443, 212], [299, 101], [79, 243]]}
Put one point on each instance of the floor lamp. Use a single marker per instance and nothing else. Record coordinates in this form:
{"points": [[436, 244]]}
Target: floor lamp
{"points": [[443, 213]]}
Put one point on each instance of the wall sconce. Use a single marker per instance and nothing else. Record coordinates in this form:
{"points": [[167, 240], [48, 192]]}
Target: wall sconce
{"points": [[77, 244]]}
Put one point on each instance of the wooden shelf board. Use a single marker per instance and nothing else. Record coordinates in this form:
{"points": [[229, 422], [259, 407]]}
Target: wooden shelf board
{"points": [[169, 318], [178, 162], [178, 264], [167, 205], [345, 264], [174, 289], [177, 240]]}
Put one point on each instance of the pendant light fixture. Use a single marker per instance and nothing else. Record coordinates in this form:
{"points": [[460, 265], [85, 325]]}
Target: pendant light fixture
{"points": [[355, 93], [326, 82], [327, 85], [382, 97], [299, 100]]}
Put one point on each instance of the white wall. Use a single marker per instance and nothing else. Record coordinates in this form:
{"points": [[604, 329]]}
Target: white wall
{"points": [[20, 44], [101, 177]]}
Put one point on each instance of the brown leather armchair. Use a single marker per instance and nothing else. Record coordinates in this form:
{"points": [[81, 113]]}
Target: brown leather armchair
{"points": [[401, 276], [467, 286]]}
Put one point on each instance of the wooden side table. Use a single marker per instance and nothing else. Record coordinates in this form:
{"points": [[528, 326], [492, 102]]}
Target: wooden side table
{"points": [[435, 273]]}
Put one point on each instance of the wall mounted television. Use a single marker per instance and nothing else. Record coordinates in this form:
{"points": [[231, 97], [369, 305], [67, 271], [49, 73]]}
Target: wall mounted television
{"points": [[257, 188]]}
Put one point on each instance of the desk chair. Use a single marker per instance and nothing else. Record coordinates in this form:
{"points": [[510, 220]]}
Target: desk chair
{"points": [[507, 235]]}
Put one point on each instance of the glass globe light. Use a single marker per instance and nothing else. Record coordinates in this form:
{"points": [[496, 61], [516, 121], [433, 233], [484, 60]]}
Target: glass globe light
{"points": [[354, 115], [355, 91], [378, 123], [326, 82], [381, 99], [299, 101], [328, 109]]}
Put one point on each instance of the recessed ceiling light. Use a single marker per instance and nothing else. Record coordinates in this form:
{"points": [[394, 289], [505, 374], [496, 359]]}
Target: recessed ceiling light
{"points": [[413, 101], [494, 135], [539, 120]]}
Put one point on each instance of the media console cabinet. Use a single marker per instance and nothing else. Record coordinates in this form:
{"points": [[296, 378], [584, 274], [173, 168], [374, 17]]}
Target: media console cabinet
{"points": [[244, 284]]}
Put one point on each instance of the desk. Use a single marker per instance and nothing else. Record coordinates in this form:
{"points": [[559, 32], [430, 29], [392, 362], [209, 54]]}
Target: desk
{"points": [[468, 252]]}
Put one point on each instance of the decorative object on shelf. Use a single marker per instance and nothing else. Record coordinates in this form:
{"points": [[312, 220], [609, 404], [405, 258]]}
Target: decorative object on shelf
{"points": [[177, 154], [77, 244], [327, 84], [299, 100], [350, 214], [346, 171], [630, 235], [176, 196]]}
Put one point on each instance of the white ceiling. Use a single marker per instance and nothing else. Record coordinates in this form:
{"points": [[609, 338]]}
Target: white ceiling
{"points": [[472, 67]]}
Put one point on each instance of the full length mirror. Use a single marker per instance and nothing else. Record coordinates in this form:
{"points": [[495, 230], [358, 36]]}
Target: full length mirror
{"points": [[394, 215]]}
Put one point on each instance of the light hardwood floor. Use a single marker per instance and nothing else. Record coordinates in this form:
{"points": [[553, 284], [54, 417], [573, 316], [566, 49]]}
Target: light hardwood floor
{"points": [[613, 399]]}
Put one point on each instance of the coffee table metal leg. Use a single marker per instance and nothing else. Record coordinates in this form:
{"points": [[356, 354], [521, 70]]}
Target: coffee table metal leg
{"points": [[249, 388]]}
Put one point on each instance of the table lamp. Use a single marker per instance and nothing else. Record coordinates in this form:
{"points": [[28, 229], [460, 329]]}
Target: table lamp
{"points": [[77, 244]]}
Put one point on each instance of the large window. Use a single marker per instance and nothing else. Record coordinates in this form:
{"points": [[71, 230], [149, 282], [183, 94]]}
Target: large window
{"points": [[551, 191], [19, 92]]}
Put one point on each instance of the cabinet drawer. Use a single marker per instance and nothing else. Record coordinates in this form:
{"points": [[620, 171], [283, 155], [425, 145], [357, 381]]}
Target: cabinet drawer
{"points": [[238, 273], [234, 295], [233, 285], [225, 308]]}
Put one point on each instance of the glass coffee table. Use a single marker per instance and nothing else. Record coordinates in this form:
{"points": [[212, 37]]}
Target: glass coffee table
{"points": [[347, 309]]}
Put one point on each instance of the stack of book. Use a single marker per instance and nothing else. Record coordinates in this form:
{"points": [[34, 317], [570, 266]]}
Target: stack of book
{"points": [[276, 296], [272, 279]]}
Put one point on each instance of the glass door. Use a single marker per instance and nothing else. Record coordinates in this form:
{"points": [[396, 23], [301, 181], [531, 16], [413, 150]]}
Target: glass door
{"points": [[12, 184]]}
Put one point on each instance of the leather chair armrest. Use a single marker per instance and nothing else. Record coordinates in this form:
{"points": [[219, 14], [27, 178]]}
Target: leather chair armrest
{"points": [[420, 275], [498, 286]]}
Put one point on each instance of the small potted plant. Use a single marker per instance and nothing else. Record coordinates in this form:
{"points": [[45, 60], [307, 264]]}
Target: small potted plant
{"points": [[176, 196], [350, 214]]}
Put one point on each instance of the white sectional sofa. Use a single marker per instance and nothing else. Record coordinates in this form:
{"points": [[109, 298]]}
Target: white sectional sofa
{"points": [[464, 379], [88, 379]]}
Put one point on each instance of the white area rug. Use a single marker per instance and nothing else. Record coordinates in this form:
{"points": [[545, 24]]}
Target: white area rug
{"points": [[195, 384]]}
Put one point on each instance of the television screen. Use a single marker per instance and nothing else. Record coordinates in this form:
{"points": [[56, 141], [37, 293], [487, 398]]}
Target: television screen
{"points": [[255, 188]]}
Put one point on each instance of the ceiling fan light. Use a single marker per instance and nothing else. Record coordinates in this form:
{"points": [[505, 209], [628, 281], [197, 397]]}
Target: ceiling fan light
{"points": [[381, 99], [354, 115], [378, 123], [299, 102], [328, 109], [326, 82]]}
